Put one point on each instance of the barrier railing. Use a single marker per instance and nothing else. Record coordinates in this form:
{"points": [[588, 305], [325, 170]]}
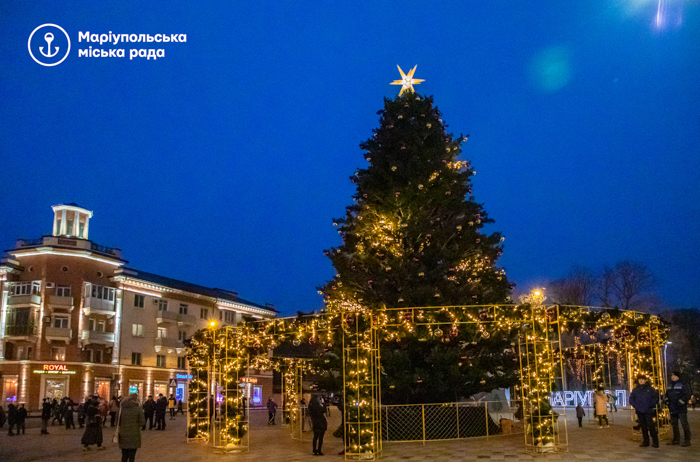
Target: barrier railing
{"points": [[448, 421]]}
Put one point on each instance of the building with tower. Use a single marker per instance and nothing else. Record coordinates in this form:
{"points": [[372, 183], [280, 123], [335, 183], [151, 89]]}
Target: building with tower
{"points": [[75, 320]]}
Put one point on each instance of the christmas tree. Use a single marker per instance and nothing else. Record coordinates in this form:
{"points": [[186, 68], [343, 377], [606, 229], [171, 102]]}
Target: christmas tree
{"points": [[414, 238]]}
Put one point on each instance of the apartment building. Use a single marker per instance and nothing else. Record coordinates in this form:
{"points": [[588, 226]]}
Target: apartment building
{"points": [[76, 320]]}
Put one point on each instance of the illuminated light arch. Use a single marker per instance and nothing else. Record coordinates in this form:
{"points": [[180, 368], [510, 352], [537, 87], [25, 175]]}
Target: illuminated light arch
{"points": [[221, 357]]}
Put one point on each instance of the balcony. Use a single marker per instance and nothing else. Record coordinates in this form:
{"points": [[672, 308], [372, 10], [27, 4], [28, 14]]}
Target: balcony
{"points": [[24, 300], [94, 305], [61, 302], [104, 338], [58, 334], [26, 332], [168, 344], [186, 319], [163, 317]]}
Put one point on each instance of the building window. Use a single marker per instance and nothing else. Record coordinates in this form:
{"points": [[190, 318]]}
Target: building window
{"points": [[98, 356], [162, 332], [181, 362], [138, 300], [102, 293], [229, 316], [26, 288], [136, 359], [137, 330], [181, 335], [204, 313], [160, 360], [91, 325], [60, 322], [162, 305], [88, 356], [100, 326], [58, 353], [63, 291], [183, 308]]}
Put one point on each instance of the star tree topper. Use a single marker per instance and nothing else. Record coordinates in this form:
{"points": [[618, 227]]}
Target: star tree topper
{"points": [[407, 81]]}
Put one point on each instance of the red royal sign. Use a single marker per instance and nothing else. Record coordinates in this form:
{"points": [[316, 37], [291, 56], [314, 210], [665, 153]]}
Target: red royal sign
{"points": [[55, 367]]}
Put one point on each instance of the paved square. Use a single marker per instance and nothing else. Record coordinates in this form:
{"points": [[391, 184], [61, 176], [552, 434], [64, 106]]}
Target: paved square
{"points": [[274, 444]]}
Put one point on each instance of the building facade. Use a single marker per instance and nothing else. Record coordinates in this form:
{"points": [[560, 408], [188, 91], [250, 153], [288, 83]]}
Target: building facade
{"points": [[75, 320]]}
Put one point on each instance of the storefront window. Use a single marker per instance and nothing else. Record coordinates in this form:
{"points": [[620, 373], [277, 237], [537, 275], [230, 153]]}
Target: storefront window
{"points": [[102, 389], [9, 390], [160, 387]]}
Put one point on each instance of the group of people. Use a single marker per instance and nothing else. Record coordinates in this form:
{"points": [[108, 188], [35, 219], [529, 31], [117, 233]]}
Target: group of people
{"points": [[15, 417], [158, 409], [645, 399]]}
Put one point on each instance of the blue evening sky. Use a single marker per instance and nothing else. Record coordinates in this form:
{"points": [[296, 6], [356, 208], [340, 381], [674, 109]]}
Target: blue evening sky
{"points": [[224, 162]]}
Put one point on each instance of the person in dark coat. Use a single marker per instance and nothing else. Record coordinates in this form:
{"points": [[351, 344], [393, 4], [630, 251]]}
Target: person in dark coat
{"points": [[677, 398], [56, 412], [46, 408], [644, 399], [161, 409], [81, 414], [11, 418], [3, 417], [179, 408], [317, 412], [93, 426], [131, 420], [271, 411], [580, 413], [149, 408], [68, 414], [21, 418]]}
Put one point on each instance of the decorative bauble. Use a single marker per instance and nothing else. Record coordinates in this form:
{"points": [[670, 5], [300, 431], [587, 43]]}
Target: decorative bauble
{"points": [[437, 332], [484, 315], [256, 345], [393, 169], [296, 342], [591, 332], [420, 186], [400, 117], [551, 314], [485, 334], [408, 317], [350, 319], [400, 300], [312, 340], [454, 333], [428, 125]]}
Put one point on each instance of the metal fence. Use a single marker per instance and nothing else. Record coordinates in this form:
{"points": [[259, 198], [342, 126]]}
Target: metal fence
{"points": [[447, 421]]}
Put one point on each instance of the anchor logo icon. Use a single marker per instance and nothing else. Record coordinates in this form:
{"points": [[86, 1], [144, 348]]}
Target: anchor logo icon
{"points": [[54, 52], [49, 38]]}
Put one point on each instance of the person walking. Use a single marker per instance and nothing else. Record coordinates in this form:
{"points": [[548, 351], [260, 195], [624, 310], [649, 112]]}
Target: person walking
{"points": [[317, 412], [677, 397], [113, 409], [81, 414], [580, 413], [149, 408], [612, 401], [693, 402], [131, 420], [68, 415], [93, 426], [45, 416], [179, 408], [600, 401], [21, 418], [56, 412], [644, 399], [161, 407], [271, 411], [11, 418], [103, 409], [171, 406]]}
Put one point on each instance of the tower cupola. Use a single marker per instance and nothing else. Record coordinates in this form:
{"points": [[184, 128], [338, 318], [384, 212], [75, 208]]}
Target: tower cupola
{"points": [[71, 220]]}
